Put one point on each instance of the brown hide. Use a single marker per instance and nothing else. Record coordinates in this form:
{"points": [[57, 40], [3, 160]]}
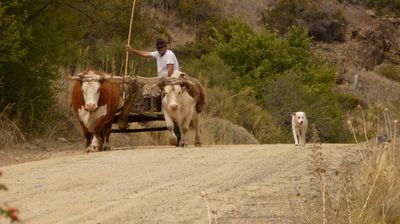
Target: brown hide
{"points": [[110, 95], [198, 93]]}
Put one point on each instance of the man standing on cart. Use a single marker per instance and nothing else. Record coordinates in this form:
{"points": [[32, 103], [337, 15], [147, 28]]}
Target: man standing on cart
{"points": [[166, 65], [166, 59]]}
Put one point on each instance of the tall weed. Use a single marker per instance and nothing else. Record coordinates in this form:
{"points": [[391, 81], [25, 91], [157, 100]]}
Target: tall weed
{"points": [[366, 191]]}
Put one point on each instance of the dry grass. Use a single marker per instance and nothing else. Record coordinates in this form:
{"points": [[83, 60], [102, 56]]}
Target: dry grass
{"points": [[365, 192], [214, 131], [9, 131], [211, 219]]}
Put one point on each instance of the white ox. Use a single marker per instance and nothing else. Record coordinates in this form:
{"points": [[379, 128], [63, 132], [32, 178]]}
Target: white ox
{"points": [[183, 100]]}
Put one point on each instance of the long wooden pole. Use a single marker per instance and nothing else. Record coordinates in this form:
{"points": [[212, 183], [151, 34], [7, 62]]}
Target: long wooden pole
{"points": [[129, 38]]}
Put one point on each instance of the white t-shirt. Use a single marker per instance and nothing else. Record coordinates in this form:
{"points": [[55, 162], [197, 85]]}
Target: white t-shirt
{"points": [[162, 62]]}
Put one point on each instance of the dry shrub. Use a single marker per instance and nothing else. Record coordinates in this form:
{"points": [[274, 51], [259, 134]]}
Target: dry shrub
{"points": [[367, 190], [389, 71], [213, 131], [241, 109], [9, 131], [224, 132]]}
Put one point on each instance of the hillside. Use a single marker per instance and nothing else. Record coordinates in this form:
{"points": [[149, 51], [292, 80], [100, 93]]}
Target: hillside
{"points": [[361, 53], [370, 40]]}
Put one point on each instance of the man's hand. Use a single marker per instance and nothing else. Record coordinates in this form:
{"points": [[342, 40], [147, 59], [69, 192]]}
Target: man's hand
{"points": [[129, 48]]}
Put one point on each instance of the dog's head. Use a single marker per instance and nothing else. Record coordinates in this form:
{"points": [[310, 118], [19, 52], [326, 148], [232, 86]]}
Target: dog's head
{"points": [[299, 118]]}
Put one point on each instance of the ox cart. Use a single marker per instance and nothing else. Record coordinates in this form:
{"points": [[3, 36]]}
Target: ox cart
{"points": [[142, 104], [96, 95]]}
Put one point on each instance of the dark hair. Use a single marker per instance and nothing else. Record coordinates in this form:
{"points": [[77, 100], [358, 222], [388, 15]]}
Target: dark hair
{"points": [[161, 43]]}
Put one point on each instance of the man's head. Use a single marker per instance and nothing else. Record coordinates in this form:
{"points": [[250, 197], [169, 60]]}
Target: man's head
{"points": [[161, 46]]}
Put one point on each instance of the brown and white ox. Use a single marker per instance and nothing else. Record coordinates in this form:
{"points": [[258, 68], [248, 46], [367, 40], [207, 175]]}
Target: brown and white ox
{"points": [[95, 100], [184, 99]]}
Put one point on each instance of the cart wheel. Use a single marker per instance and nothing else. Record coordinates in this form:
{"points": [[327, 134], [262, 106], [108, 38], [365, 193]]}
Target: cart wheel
{"points": [[177, 132]]}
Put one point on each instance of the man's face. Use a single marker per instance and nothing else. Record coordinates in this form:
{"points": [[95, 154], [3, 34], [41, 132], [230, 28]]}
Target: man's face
{"points": [[162, 50]]}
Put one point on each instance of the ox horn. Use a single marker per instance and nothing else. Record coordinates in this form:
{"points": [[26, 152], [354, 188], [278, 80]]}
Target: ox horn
{"points": [[107, 76], [161, 82], [185, 82], [121, 79], [76, 77]]}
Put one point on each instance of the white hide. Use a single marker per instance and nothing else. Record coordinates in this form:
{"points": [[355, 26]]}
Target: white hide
{"points": [[299, 127], [91, 90], [179, 107], [89, 118]]}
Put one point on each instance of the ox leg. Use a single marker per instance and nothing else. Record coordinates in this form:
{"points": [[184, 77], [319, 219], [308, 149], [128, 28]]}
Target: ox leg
{"points": [[184, 129], [107, 131], [170, 125], [88, 137], [177, 131], [95, 145], [97, 141], [195, 125]]}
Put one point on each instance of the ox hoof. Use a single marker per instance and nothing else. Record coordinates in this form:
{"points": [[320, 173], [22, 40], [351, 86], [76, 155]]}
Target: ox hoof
{"points": [[92, 148], [197, 144], [173, 140], [182, 145], [106, 148]]}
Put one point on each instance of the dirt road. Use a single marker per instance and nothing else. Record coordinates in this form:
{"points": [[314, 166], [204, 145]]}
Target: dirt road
{"points": [[244, 183]]}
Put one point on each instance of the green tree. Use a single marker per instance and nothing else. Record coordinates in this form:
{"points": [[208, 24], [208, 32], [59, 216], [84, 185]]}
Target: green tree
{"points": [[47, 35], [257, 57], [13, 32], [285, 75]]}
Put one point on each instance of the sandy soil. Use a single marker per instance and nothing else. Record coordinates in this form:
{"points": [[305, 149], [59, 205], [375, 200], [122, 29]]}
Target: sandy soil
{"points": [[244, 183]]}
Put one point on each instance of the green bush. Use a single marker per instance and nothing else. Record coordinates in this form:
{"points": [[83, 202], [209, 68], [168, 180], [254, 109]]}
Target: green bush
{"points": [[287, 93], [242, 109], [257, 57], [285, 76], [349, 102], [389, 71], [206, 38], [210, 70]]}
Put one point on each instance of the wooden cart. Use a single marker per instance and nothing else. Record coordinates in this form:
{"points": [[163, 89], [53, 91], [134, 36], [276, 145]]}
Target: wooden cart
{"points": [[133, 109]]}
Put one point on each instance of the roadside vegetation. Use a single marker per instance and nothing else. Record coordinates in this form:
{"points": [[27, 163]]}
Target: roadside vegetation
{"points": [[366, 189], [7, 212], [389, 71]]}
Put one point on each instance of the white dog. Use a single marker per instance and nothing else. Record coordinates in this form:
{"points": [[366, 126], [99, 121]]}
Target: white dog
{"points": [[299, 127]]}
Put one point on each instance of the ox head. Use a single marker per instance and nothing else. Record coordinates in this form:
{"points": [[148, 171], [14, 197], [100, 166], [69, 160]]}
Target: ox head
{"points": [[91, 82], [172, 94], [174, 88]]}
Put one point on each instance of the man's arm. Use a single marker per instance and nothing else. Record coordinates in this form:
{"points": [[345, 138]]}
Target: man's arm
{"points": [[145, 54], [170, 68]]}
